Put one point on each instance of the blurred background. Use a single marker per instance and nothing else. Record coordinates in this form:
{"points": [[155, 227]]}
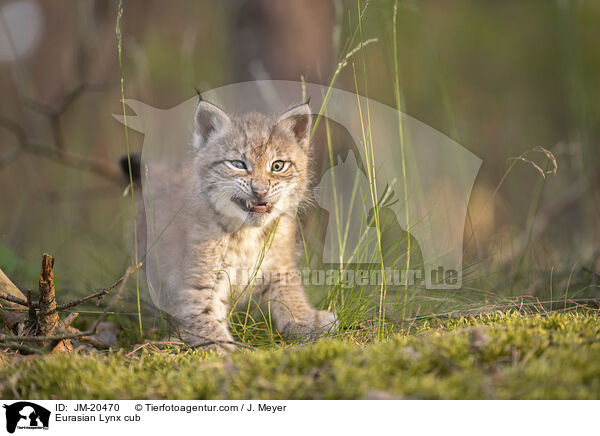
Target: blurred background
{"points": [[500, 78]]}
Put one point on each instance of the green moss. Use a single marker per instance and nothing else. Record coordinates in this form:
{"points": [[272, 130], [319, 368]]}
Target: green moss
{"points": [[504, 355]]}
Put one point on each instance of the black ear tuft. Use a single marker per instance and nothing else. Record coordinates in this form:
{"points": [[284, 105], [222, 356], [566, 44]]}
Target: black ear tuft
{"points": [[199, 95]]}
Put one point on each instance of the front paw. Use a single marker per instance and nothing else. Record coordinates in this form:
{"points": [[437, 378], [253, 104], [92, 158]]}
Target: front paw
{"points": [[216, 339], [311, 327], [219, 346]]}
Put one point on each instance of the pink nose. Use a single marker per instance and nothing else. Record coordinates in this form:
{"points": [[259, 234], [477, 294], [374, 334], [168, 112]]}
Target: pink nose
{"points": [[259, 189]]}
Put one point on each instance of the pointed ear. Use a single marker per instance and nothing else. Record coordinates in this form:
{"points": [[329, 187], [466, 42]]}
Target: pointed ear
{"points": [[297, 122], [209, 120]]}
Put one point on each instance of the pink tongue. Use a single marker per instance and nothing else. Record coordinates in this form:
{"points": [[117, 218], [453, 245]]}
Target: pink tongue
{"points": [[260, 208]]}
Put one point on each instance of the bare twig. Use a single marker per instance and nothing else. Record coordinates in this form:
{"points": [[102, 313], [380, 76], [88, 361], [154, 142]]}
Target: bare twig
{"points": [[64, 330], [89, 332], [22, 347], [95, 342], [69, 319], [207, 343], [101, 318], [16, 300], [99, 295], [154, 345]]}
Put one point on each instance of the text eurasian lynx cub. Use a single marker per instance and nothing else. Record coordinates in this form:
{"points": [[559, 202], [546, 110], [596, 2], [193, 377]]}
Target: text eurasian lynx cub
{"points": [[241, 188]]}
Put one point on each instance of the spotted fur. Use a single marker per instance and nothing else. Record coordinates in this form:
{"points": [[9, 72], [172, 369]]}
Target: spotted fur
{"points": [[216, 234]]}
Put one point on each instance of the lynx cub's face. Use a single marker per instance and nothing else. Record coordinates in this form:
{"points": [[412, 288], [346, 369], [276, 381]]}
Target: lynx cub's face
{"points": [[251, 168]]}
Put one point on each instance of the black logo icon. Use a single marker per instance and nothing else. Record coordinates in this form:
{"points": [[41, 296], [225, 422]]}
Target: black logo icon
{"points": [[26, 415]]}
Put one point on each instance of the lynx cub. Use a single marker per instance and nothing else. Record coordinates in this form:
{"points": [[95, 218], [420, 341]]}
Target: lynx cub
{"points": [[242, 186]]}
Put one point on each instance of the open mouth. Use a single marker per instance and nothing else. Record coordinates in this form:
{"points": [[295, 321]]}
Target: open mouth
{"points": [[253, 206]]}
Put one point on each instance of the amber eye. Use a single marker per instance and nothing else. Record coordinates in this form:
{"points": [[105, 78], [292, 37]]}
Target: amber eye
{"points": [[279, 166]]}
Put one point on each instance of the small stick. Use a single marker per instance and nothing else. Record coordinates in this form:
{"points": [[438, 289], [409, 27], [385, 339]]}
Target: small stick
{"points": [[90, 331], [204, 344], [101, 293], [16, 300], [95, 342], [23, 347], [69, 319]]}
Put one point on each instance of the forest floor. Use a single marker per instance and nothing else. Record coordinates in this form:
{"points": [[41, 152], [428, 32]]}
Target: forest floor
{"points": [[498, 356]]}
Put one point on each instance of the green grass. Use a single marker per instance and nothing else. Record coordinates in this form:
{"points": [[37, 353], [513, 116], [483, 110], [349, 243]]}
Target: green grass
{"points": [[500, 356]]}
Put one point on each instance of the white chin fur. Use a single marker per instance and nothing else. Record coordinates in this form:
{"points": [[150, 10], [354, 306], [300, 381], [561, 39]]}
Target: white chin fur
{"points": [[230, 210]]}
